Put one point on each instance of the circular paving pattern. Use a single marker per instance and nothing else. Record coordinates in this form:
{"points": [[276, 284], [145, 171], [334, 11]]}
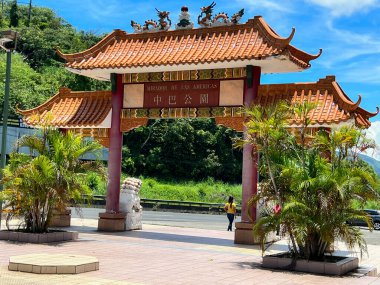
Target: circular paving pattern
{"points": [[53, 263]]}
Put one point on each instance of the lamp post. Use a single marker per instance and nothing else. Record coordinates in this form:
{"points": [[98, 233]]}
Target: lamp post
{"points": [[8, 41]]}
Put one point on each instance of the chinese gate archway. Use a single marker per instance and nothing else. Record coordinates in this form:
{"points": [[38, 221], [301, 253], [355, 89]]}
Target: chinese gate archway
{"points": [[213, 71]]}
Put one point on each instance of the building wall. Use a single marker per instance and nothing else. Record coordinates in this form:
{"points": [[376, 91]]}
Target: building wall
{"points": [[14, 133]]}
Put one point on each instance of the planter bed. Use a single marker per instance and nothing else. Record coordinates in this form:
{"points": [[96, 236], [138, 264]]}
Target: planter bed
{"points": [[332, 265], [61, 219], [53, 236]]}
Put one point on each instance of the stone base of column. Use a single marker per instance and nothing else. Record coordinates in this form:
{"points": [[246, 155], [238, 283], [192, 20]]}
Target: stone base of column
{"points": [[61, 219], [111, 222], [244, 233]]}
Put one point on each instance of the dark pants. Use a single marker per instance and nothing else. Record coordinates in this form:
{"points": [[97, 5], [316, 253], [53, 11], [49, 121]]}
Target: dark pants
{"points": [[230, 219]]}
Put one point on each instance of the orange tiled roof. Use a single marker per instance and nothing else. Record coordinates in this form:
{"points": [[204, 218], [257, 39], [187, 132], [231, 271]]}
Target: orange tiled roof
{"points": [[72, 109], [89, 109], [333, 105], [217, 47]]}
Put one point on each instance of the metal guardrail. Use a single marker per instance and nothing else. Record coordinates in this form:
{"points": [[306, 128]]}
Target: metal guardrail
{"points": [[12, 122], [156, 204], [15, 122]]}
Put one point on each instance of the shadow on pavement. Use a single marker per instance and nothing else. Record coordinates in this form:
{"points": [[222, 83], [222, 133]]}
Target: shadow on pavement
{"points": [[163, 237], [182, 238]]}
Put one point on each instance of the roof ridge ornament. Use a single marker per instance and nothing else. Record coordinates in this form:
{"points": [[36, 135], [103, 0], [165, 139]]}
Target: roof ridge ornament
{"points": [[205, 20], [207, 11], [163, 25], [152, 26], [220, 19], [237, 17], [184, 20]]}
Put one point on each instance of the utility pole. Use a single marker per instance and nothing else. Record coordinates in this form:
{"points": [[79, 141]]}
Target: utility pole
{"points": [[6, 110], [29, 12], [6, 37]]}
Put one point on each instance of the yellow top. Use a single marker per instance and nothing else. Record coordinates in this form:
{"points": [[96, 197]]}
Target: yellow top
{"points": [[231, 209]]}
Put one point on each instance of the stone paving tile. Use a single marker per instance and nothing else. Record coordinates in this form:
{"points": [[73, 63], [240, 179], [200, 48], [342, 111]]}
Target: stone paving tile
{"points": [[163, 255]]}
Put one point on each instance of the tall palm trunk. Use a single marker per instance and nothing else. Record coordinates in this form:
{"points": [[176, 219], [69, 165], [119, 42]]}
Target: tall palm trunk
{"points": [[278, 195]]}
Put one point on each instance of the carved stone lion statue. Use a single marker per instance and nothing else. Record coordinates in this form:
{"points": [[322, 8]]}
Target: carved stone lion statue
{"points": [[130, 203]]}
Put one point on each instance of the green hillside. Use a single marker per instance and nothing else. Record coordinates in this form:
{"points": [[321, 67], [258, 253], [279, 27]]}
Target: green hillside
{"points": [[172, 150], [373, 162], [37, 72]]}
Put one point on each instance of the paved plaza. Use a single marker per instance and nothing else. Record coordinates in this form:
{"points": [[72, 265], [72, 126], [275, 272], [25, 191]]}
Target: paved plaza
{"points": [[165, 255]]}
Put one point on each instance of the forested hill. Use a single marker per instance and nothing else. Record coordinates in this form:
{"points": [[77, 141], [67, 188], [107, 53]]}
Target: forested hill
{"points": [[37, 72], [373, 162], [173, 150]]}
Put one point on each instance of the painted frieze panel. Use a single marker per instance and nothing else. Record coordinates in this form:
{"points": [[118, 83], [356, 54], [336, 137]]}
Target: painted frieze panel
{"points": [[205, 74], [156, 113], [219, 73], [204, 113], [99, 134], [232, 117], [239, 72], [223, 73], [217, 112]]}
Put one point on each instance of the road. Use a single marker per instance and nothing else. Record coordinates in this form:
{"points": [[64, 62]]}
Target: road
{"points": [[187, 220], [200, 221]]}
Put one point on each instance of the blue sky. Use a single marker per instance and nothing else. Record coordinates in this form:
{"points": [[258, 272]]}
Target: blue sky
{"points": [[348, 31]]}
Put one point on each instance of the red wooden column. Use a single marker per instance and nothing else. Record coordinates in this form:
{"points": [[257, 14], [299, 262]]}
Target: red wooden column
{"points": [[112, 220], [243, 232], [116, 144]]}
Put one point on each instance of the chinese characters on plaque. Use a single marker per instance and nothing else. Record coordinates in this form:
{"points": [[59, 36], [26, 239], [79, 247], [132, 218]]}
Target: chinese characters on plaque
{"points": [[182, 94]]}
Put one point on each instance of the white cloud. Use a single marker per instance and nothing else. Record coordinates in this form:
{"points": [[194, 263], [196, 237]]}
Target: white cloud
{"points": [[373, 132], [273, 6], [354, 55], [345, 7], [345, 45], [276, 13], [359, 72]]}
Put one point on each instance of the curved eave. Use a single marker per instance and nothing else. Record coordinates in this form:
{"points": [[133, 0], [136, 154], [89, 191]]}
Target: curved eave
{"points": [[360, 115], [72, 110], [301, 56], [36, 110], [115, 35], [271, 35], [367, 113], [322, 123], [344, 99]]}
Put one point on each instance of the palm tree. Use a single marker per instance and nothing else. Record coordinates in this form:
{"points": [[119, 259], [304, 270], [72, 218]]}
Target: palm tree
{"points": [[313, 195], [50, 177]]}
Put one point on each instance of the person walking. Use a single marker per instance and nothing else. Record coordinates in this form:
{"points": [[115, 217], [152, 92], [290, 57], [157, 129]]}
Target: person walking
{"points": [[230, 208]]}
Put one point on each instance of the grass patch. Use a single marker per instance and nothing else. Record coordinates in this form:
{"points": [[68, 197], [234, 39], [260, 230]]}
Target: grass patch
{"points": [[208, 191]]}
